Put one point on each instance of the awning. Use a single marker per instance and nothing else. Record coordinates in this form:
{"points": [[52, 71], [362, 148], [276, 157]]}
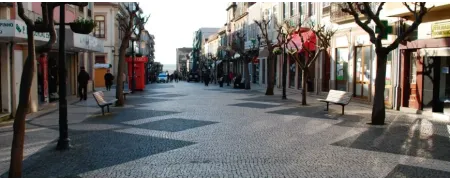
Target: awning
{"points": [[16, 31], [80, 42], [308, 37]]}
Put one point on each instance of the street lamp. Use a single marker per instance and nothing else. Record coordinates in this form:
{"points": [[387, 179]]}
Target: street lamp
{"points": [[133, 84]]}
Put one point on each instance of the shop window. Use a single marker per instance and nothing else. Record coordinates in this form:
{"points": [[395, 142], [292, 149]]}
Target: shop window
{"points": [[100, 60], [341, 68], [292, 68], [100, 28]]}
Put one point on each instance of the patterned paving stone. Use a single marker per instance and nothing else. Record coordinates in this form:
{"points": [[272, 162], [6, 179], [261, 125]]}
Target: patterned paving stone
{"points": [[163, 86], [254, 105], [93, 150], [417, 140], [175, 124], [142, 100], [169, 95], [275, 99], [405, 171], [204, 135], [117, 116], [307, 111]]}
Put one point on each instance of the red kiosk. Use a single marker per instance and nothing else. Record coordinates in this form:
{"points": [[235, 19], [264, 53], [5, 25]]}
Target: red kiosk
{"points": [[139, 71]]}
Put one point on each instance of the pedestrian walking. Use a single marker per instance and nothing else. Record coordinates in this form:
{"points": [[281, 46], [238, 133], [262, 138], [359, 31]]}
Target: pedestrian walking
{"points": [[83, 79], [176, 77], [108, 80], [206, 78]]}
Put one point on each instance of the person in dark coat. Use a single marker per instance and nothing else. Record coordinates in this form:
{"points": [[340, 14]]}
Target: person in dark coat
{"points": [[83, 79], [206, 78], [108, 80]]}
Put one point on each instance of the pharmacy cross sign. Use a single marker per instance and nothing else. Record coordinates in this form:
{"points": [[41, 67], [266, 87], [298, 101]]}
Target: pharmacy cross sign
{"points": [[388, 29]]}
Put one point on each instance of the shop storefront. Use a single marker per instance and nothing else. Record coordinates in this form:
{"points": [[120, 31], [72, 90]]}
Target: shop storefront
{"points": [[13, 41], [79, 52], [425, 63]]}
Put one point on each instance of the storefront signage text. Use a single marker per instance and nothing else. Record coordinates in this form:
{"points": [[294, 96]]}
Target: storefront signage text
{"points": [[17, 28], [439, 30]]}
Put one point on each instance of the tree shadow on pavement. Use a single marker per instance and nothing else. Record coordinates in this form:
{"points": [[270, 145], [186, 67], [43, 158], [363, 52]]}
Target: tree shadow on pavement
{"points": [[405, 171], [305, 111], [273, 99], [93, 150], [418, 138]]}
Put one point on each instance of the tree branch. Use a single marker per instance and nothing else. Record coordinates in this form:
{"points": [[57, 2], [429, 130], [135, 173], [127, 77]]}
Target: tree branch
{"points": [[351, 10], [422, 11], [22, 15]]}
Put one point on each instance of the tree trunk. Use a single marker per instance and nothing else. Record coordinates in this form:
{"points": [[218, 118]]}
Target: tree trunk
{"points": [[304, 86], [246, 74], [15, 168], [284, 70], [120, 71], [270, 74], [378, 109]]}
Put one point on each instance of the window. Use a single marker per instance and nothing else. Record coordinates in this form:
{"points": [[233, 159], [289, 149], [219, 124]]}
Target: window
{"points": [[284, 11], [100, 29], [100, 60], [294, 9], [302, 8], [291, 6], [311, 9]]}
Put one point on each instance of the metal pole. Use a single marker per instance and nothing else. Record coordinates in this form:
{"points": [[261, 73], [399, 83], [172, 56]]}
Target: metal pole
{"points": [[133, 84], [228, 72], [284, 72], [63, 142]]}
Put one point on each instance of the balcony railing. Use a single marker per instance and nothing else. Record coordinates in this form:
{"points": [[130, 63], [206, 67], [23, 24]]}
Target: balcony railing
{"points": [[337, 16]]}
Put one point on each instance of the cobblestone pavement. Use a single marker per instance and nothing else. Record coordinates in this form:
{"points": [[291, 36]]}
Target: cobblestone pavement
{"points": [[189, 130]]}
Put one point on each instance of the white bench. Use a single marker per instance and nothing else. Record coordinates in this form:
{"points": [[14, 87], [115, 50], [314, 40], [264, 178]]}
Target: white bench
{"points": [[100, 98], [338, 97], [125, 93]]}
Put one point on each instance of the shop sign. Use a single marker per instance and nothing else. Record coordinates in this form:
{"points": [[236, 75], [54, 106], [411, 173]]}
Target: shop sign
{"points": [[87, 42], [440, 30], [17, 28]]}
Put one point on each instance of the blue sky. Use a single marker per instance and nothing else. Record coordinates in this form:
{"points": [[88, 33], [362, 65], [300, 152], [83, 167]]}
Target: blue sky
{"points": [[173, 23]]}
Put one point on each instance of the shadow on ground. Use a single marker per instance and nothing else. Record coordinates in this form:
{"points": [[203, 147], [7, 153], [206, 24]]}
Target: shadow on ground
{"points": [[420, 138], [405, 171], [93, 150]]}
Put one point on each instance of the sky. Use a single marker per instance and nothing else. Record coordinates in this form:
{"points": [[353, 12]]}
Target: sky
{"points": [[173, 23]]}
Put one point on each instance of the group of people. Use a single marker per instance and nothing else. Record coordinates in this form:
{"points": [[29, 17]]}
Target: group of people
{"points": [[84, 77]]}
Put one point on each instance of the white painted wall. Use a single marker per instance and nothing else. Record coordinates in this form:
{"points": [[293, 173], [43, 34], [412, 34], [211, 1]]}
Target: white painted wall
{"points": [[18, 67]]}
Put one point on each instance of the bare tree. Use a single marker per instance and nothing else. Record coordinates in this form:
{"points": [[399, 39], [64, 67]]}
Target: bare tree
{"points": [[285, 37], [238, 46], [264, 26], [418, 10], [310, 51], [48, 25], [129, 22]]}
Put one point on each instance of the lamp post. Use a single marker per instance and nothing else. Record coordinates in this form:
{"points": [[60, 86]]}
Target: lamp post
{"points": [[64, 141], [133, 83], [284, 69]]}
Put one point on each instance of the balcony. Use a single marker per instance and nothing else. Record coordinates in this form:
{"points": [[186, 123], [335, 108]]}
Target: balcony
{"points": [[339, 17], [32, 15]]}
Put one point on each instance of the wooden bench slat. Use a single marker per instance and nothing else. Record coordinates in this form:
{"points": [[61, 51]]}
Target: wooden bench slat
{"points": [[338, 97]]}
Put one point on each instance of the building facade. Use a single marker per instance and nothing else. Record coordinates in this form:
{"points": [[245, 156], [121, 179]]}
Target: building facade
{"points": [[182, 64], [79, 48]]}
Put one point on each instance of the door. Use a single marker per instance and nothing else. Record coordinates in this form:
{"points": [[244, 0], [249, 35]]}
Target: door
{"points": [[414, 96], [362, 72], [388, 92], [18, 67]]}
